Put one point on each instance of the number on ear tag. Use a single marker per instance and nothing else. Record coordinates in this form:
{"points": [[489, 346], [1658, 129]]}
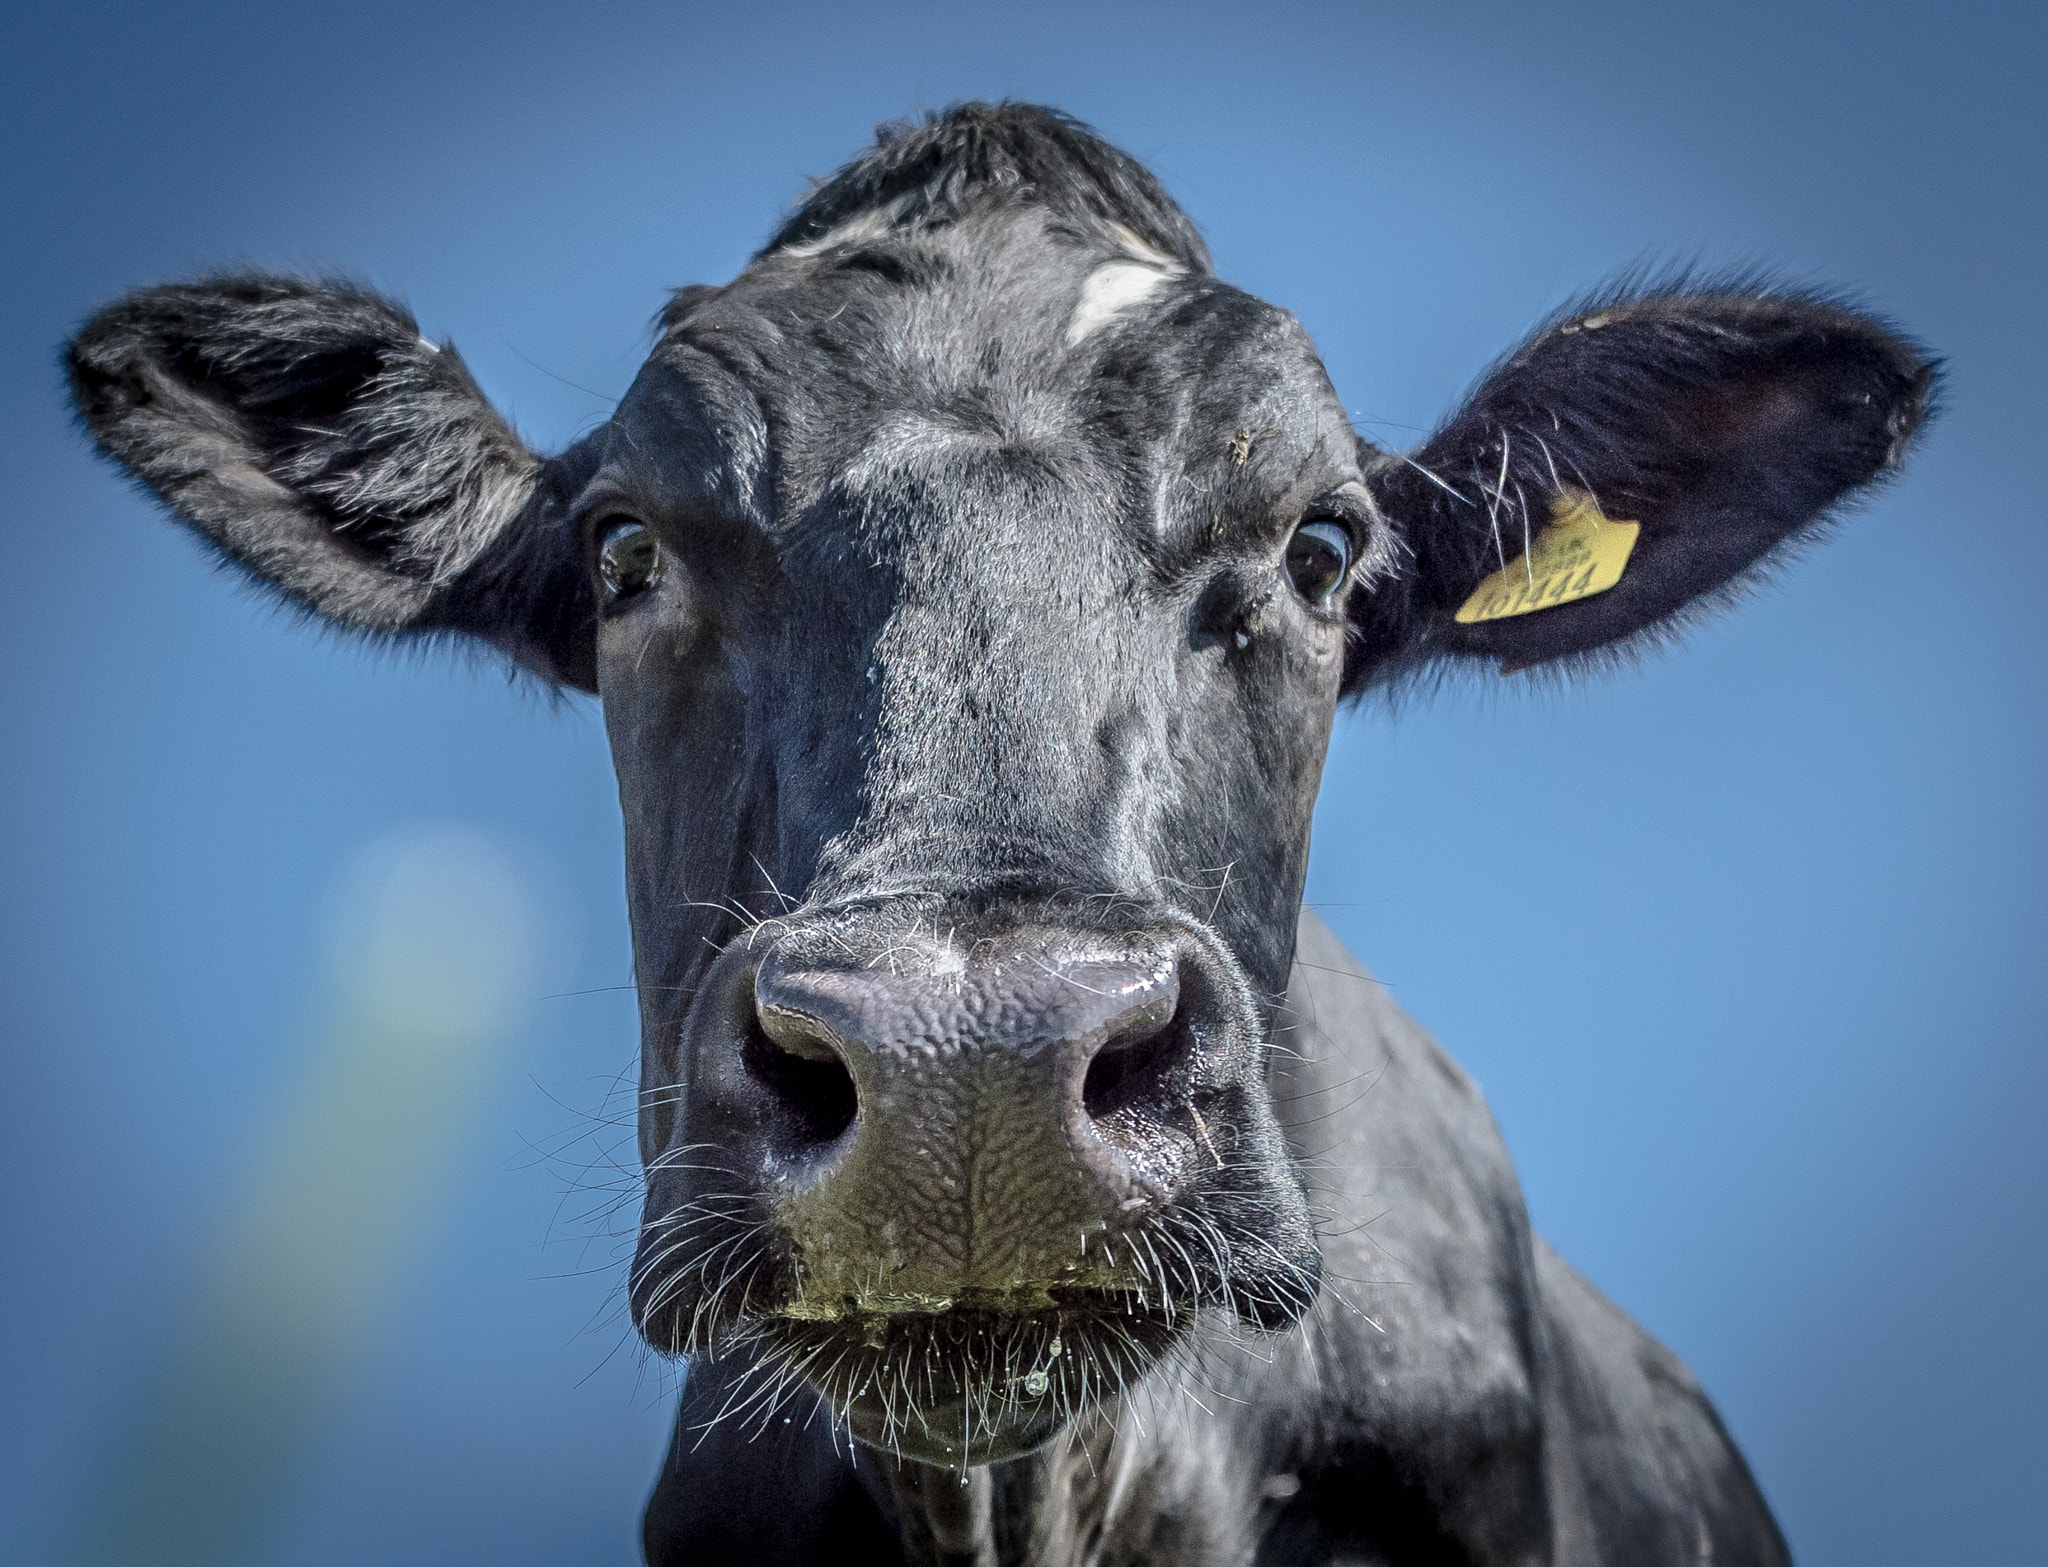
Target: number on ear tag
{"points": [[1579, 554]]}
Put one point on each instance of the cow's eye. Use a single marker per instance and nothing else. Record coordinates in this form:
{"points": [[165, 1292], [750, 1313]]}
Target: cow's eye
{"points": [[1318, 556], [628, 557]]}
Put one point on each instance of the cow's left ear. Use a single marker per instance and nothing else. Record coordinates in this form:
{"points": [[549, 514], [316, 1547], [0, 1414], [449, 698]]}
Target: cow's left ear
{"points": [[1631, 463], [308, 432]]}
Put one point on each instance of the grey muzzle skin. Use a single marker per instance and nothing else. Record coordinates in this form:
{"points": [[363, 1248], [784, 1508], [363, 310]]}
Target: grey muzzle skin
{"points": [[971, 1176]]}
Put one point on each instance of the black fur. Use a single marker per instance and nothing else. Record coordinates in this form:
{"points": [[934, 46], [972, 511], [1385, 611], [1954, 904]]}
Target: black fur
{"points": [[974, 669], [931, 172]]}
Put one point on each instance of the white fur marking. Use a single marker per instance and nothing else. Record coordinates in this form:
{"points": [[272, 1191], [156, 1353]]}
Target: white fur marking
{"points": [[1111, 289]]}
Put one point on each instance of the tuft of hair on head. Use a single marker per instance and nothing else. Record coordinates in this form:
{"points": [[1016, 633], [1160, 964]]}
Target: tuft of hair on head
{"points": [[930, 171]]}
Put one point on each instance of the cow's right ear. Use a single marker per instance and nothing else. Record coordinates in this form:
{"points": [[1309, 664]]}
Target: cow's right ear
{"points": [[310, 434]]}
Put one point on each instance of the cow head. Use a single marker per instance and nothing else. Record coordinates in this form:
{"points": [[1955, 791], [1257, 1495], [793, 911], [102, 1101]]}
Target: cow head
{"points": [[970, 586]]}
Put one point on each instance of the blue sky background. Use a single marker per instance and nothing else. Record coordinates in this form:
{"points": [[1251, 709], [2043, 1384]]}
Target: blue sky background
{"points": [[1737, 943]]}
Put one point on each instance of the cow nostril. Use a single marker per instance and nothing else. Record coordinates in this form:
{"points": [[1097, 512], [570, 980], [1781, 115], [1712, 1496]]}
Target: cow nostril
{"points": [[805, 1074], [1129, 1063]]}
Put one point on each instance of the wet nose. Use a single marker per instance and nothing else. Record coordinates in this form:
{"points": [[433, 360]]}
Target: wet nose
{"points": [[1036, 1056]]}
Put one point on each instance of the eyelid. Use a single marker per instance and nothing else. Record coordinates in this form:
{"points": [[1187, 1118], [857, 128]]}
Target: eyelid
{"points": [[1350, 505], [1374, 541], [1336, 524], [615, 490], [595, 517]]}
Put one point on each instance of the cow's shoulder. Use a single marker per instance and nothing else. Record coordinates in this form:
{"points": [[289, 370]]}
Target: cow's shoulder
{"points": [[1655, 1474], [1460, 1392]]}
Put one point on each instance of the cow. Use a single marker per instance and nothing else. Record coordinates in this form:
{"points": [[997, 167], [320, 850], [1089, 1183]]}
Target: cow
{"points": [[970, 586]]}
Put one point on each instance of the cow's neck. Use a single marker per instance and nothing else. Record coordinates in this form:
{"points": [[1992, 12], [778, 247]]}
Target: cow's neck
{"points": [[1045, 1508], [1058, 1506], [946, 1516]]}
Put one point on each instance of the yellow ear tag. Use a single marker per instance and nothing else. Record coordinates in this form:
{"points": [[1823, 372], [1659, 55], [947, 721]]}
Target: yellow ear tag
{"points": [[1579, 554]]}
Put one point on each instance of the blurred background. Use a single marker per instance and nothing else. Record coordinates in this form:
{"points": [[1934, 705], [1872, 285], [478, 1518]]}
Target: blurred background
{"points": [[1753, 1006]]}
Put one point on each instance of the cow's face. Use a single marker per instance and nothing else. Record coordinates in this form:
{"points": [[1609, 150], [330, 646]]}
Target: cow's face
{"points": [[969, 652], [969, 587]]}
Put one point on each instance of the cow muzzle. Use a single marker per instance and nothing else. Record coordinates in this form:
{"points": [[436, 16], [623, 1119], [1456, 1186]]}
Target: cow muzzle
{"points": [[997, 1172]]}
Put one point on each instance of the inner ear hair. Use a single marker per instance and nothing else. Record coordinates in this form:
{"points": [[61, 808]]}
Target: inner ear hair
{"points": [[1727, 417], [306, 430]]}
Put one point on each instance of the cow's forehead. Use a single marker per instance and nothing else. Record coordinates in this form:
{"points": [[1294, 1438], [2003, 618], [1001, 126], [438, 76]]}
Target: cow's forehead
{"points": [[1085, 352]]}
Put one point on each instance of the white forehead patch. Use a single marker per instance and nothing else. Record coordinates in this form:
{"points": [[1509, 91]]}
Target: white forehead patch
{"points": [[1112, 288]]}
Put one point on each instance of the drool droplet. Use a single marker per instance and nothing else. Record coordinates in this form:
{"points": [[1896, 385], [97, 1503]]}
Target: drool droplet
{"points": [[1035, 1383]]}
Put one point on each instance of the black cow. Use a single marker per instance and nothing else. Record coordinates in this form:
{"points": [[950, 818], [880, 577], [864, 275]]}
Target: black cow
{"points": [[970, 585]]}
